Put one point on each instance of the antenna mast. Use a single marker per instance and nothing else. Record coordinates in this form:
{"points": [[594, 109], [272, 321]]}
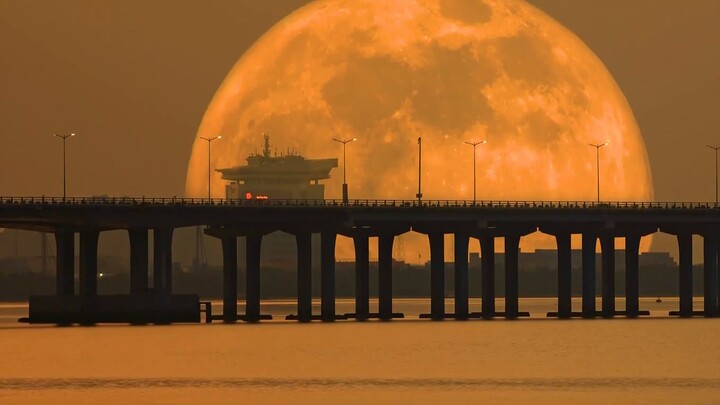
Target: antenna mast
{"points": [[266, 145]]}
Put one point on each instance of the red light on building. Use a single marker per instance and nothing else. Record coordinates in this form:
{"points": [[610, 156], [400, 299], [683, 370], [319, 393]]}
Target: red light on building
{"points": [[248, 196]]}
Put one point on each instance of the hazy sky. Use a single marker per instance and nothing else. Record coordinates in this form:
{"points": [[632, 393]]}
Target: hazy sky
{"points": [[133, 79]]}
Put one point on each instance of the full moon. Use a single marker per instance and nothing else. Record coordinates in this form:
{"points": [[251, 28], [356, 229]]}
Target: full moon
{"points": [[451, 71]]}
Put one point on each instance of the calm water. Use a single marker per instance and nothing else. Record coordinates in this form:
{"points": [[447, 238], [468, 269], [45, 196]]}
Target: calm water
{"points": [[657, 360]]}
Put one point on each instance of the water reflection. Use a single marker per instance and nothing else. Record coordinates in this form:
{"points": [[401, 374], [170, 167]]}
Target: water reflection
{"points": [[387, 383]]}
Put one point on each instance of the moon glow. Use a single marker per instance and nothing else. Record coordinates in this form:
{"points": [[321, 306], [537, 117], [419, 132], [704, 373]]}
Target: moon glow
{"points": [[387, 71]]}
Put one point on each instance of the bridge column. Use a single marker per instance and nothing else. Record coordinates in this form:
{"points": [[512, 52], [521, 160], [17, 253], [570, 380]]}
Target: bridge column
{"points": [[65, 263], [437, 276], [327, 275], [607, 244], [512, 288], [139, 271], [304, 281], [461, 276], [253, 243], [686, 293], [487, 276], [230, 270], [710, 269], [362, 277], [564, 275], [589, 240], [632, 276], [385, 245], [88, 262], [162, 260]]}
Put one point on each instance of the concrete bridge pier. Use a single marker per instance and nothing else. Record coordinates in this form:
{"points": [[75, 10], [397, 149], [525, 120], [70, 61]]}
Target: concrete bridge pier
{"points": [[437, 275], [462, 291], [88, 262], [230, 310], [65, 263], [487, 275], [253, 242], [362, 276], [512, 287], [686, 279], [589, 241], [327, 275], [564, 275], [385, 245], [607, 244], [632, 276], [139, 271], [304, 274], [162, 260], [710, 270]]}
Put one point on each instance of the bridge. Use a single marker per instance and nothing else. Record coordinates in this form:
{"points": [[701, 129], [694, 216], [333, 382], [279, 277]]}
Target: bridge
{"points": [[360, 220]]}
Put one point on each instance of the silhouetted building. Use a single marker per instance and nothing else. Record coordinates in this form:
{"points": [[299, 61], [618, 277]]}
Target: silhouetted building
{"points": [[547, 259], [288, 176]]}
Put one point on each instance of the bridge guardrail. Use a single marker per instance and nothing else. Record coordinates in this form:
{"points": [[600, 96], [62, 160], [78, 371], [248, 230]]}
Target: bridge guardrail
{"points": [[359, 203]]}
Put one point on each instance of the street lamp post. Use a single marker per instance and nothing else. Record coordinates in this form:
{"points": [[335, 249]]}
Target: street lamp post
{"points": [[209, 140], [715, 148], [419, 193], [344, 186], [64, 138], [474, 145], [597, 164]]}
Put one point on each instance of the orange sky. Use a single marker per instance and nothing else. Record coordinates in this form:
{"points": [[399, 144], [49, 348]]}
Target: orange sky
{"points": [[134, 78]]}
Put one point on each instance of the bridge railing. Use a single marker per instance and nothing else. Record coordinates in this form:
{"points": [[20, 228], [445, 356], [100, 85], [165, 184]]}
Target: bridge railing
{"points": [[357, 203]]}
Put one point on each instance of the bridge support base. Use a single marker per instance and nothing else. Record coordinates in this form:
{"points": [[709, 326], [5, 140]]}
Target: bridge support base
{"points": [[362, 277]]}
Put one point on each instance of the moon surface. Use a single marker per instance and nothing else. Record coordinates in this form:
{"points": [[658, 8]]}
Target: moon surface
{"points": [[388, 71]]}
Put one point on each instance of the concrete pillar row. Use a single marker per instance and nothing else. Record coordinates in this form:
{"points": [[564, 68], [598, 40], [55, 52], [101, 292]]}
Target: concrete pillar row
{"points": [[88, 262], [437, 275], [462, 290], [685, 275], [385, 246], [65, 263], [632, 276], [230, 279], [253, 242], [512, 287], [607, 244], [710, 270], [327, 275], [362, 276], [589, 241], [139, 270], [564, 275], [304, 274], [487, 276], [162, 260]]}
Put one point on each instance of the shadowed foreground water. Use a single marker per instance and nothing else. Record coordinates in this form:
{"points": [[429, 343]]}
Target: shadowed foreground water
{"points": [[658, 360]]}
